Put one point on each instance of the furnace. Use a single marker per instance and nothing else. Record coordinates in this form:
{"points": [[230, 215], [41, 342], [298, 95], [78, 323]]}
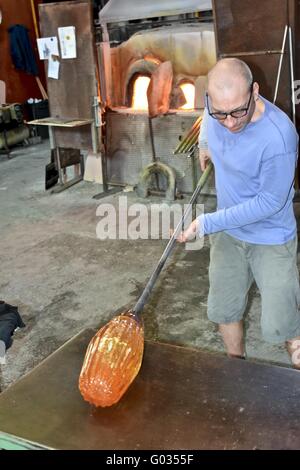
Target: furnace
{"points": [[153, 59]]}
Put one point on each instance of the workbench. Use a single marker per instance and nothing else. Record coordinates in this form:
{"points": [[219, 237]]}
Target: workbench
{"points": [[181, 399], [51, 122]]}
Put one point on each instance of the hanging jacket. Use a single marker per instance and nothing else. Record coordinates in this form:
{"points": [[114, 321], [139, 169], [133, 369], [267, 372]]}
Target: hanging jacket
{"points": [[21, 50]]}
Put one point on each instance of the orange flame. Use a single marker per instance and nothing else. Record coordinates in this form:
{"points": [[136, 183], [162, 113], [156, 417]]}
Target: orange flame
{"points": [[139, 98], [189, 94]]}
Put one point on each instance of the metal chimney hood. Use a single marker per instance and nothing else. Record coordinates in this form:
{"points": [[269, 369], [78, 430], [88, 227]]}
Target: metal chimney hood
{"points": [[125, 10]]}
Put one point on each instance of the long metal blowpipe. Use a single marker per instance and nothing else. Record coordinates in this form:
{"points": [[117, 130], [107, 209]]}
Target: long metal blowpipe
{"points": [[114, 355]]}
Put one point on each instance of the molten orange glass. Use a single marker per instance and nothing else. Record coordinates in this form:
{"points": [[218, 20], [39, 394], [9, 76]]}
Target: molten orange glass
{"points": [[112, 361]]}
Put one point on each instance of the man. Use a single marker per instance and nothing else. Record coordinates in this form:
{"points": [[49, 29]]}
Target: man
{"points": [[253, 146]]}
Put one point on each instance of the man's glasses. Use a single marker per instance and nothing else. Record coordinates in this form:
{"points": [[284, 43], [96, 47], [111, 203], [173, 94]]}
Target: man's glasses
{"points": [[237, 113]]}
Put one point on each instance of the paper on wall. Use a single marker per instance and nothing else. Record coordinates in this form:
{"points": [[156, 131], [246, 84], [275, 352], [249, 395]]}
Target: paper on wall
{"points": [[47, 46], [53, 68], [67, 40]]}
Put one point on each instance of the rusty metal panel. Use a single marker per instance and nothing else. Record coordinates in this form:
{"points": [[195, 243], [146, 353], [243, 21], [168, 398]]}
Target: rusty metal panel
{"points": [[71, 96], [250, 25], [254, 33]]}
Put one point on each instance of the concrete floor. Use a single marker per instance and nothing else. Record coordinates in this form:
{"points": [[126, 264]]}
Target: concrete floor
{"points": [[64, 279]]}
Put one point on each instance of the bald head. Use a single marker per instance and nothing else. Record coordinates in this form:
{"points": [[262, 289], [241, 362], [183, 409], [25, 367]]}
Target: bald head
{"points": [[229, 74], [230, 90]]}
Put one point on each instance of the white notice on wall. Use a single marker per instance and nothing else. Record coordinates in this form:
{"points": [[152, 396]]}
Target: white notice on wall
{"points": [[47, 46], [67, 40], [53, 68]]}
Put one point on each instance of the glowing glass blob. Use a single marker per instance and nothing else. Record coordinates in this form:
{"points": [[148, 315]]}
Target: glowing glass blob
{"points": [[112, 361]]}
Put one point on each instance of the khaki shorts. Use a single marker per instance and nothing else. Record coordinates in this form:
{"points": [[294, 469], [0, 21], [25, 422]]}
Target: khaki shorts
{"points": [[235, 264]]}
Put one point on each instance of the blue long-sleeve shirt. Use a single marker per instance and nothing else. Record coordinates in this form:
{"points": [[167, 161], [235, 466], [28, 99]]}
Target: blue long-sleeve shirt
{"points": [[254, 174]]}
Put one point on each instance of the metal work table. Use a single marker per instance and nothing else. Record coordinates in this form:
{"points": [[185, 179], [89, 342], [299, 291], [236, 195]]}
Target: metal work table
{"points": [[66, 123], [181, 399]]}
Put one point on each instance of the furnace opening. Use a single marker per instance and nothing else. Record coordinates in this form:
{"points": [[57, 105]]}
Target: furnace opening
{"points": [[188, 89], [138, 92]]}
